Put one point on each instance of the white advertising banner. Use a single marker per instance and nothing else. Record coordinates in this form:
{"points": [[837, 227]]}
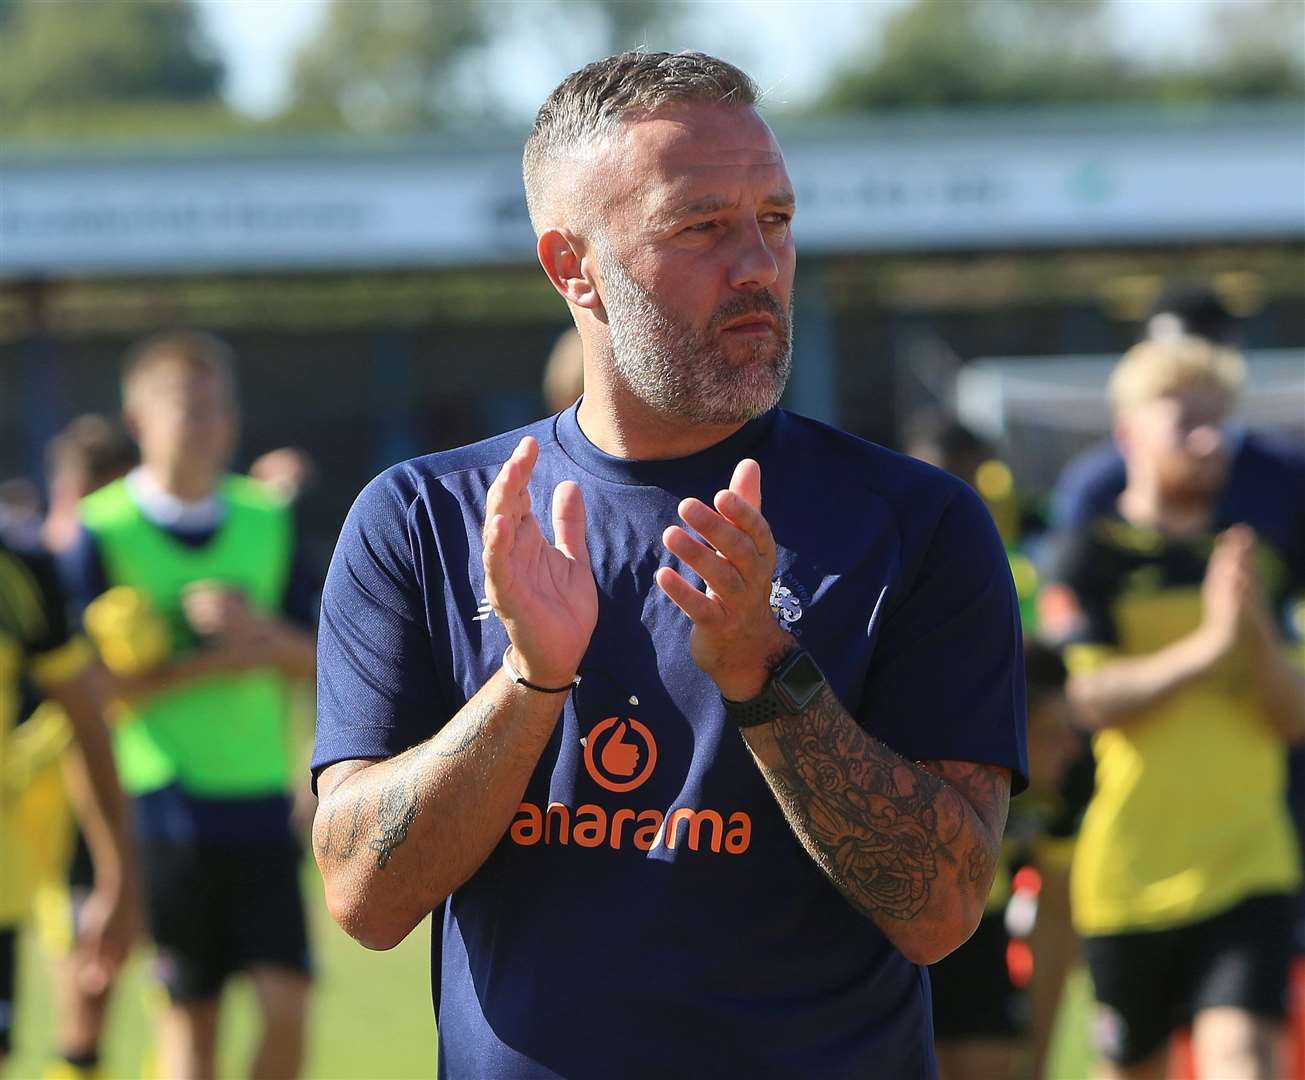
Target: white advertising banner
{"points": [[953, 183]]}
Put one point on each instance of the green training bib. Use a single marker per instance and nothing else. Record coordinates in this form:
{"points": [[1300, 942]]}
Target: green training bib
{"points": [[221, 737]]}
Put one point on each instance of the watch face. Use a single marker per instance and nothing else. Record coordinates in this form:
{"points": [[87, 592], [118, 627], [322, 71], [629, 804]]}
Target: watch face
{"points": [[800, 681]]}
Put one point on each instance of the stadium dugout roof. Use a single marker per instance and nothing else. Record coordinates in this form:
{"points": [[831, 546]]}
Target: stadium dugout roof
{"points": [[910, 182]]}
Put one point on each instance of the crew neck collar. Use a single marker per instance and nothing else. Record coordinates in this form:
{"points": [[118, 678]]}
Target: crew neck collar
{"points": [[669, 473], [167, 510]]}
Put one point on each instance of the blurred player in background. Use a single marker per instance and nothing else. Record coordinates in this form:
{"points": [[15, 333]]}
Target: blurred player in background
{"points": [[35, 643], [1263, 466], [194, 593], [87, 454], [938, 437], [1186, 862], [20, 507], [564, 374], [90, 452]]}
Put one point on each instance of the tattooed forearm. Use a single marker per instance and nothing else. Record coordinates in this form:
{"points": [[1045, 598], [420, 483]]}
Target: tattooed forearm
{"points": [[886, 831], [471, 727], [396, 810], [394, 836], [324, 843], [350, 844], [987, 791], [341, 843]]}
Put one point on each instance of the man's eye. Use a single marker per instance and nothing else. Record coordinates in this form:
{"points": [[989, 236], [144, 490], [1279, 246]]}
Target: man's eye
{"points": [[780, 220], [701, 227]]}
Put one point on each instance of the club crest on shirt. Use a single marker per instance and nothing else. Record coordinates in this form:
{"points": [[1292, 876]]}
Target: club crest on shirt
{"points": [[785, 604]]}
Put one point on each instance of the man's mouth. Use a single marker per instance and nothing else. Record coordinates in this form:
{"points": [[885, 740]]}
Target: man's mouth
{"points": [[758, 324]]}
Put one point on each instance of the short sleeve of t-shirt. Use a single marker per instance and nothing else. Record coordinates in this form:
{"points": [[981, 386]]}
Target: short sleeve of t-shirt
{"points": [[81, 570], [303, 590], [377, 691], [1088, 486], [1286, 490], [947, 677], [36, 612], [1075, 564]]}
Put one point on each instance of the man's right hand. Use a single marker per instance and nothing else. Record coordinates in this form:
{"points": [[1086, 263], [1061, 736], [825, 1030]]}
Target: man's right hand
{"points": [[544, 593]]}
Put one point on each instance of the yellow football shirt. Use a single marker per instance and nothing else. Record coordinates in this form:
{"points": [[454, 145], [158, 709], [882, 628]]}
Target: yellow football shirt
{"points": [[1189, 813]]}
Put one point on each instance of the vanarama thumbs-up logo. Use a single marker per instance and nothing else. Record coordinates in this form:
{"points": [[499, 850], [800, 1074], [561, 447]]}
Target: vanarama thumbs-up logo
{"points": [[615, 757], [620, 754]]}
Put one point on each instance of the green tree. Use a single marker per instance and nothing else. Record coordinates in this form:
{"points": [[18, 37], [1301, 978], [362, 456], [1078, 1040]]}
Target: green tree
{"points": [[408, 65], [1262, 54], [387, 65], [628, 24], [1027, 52], [72, 53], [966, 52]]}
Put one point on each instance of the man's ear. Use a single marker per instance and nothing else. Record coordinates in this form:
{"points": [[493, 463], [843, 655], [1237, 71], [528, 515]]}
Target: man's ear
{"points": [[130, 426], [1122, 433], [569, 266]]}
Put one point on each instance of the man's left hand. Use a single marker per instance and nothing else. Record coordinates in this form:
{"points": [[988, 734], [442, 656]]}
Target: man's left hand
{"points": [[215, 610], [735, 638]]}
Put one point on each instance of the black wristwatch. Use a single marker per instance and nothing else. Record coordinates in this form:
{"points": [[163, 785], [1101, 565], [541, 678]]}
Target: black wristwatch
{"points": [[793, 685]]}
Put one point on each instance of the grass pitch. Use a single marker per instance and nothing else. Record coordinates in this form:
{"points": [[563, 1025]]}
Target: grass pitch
{"points": [[371, 1013]]}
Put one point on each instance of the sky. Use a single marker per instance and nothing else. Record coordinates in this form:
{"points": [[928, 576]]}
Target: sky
{"points": [[787, 46]]}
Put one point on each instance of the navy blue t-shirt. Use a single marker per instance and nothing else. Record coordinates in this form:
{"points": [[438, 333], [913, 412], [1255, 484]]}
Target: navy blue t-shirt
{"points": [[668, 923]]}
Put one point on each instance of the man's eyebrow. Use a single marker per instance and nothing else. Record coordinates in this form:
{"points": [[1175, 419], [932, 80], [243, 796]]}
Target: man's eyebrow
{"points": [[713, 204]]}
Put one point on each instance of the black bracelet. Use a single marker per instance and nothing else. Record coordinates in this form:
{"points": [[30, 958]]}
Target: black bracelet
{"points": [[512, 674]]}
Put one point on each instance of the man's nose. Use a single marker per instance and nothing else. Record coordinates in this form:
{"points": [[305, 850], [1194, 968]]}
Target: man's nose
{"points": [[754, 266], [1205, 440]]}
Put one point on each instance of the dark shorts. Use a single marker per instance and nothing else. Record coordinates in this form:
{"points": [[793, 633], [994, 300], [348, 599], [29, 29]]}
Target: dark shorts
{"points": [[216, 909], [8, 981], [973, 996], [1150, 983]]}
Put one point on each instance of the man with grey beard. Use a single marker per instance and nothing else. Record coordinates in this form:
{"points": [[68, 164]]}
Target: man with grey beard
{"points": [[704, 786], [684, 373]]}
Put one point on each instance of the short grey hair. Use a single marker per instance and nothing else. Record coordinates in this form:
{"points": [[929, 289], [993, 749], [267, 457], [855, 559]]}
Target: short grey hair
{"points": [[598, 98]]}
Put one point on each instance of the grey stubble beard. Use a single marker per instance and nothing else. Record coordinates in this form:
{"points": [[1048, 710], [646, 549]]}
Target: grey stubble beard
{"points": [[681, 372]]}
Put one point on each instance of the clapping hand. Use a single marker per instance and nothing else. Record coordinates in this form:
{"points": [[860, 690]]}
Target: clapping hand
{"points": [[214, 610], [735, 638], [1235, 611], [544, 593]]}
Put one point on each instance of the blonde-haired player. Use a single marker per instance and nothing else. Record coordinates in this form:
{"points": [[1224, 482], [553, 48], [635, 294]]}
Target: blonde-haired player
{"points": [[1186, 865]]}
